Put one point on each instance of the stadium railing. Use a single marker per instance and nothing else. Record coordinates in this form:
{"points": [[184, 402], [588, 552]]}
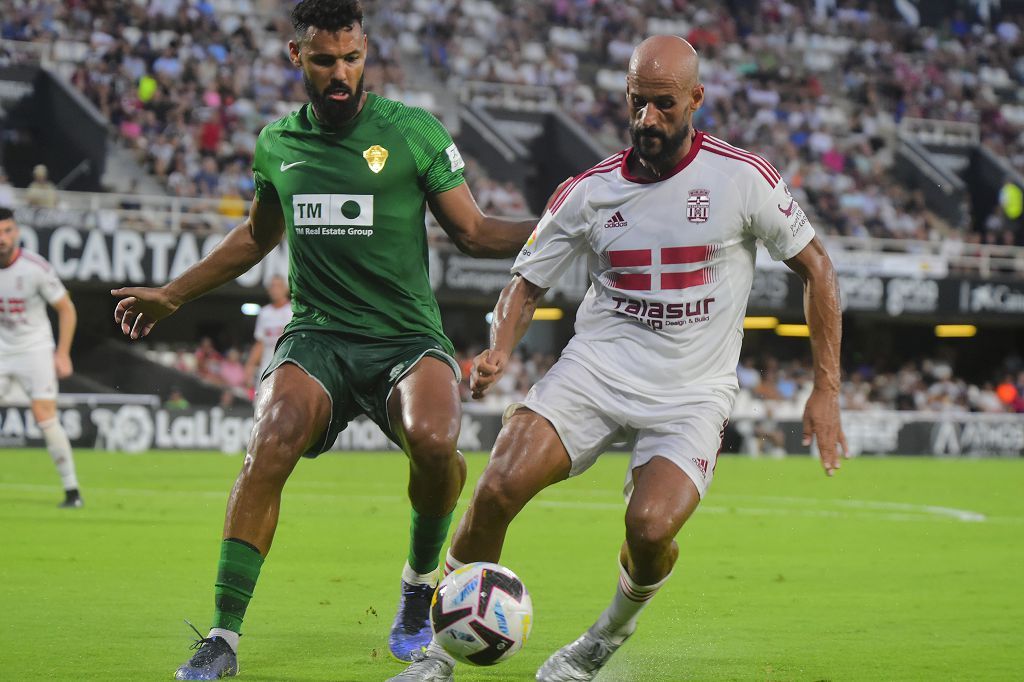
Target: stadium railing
{"points": [[111, 211], [508, 95]]}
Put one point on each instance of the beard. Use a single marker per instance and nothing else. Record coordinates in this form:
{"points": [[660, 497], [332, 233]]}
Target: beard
{"points": [[655, 147], [333, 113]]}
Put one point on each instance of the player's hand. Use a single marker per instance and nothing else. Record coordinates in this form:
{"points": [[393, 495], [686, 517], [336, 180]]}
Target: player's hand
{"points": [[558, 190], [821, 423], [62, 363], [487, 369], [140, 308]]}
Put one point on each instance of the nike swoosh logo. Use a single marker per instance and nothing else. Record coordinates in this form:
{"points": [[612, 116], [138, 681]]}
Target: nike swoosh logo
{"points": [[286, 166]]}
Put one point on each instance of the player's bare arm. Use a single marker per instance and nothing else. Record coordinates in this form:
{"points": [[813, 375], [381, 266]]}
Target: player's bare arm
{"points": [[67, 320], [255, 355], [475, 233], [142, 307], [512, 317], [824, 318]]}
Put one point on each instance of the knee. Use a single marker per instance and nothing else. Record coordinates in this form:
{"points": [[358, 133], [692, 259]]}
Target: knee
{"points": [[43, 411], [430, 448], [497, 497], [649, 532]]}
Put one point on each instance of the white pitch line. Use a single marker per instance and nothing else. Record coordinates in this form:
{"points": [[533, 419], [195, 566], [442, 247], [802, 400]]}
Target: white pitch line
{"points": [[902, 511], [958, 514]]}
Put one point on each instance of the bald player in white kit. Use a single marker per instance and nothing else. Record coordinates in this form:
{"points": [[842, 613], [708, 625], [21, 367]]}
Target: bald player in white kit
{"points": [[669, 229], [27, 353]]}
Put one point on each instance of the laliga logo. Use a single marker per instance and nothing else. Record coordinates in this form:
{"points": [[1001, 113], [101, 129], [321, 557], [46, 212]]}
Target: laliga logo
{"points": [[135, 428]]}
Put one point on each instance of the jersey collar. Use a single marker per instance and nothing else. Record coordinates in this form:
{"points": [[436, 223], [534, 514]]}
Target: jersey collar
{"points": [[683, 163]]}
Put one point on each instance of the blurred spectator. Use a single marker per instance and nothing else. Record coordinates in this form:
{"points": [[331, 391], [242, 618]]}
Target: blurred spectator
{"points": [[207, 360], [232, 371], [769, 436], [41, 192], [6, 192], [1007, 391], [176, 400]]}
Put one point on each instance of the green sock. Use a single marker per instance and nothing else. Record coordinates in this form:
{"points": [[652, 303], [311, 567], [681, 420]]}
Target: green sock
{"points": [[237, 571], [427, 536]]}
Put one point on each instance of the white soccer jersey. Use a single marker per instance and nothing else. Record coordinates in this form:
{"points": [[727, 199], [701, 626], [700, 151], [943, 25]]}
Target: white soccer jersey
{"points": [[270, 324], [27, 285], [671, 263]]}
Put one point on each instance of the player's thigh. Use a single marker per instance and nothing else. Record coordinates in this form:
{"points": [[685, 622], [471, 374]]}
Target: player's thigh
{"points": [[298, 400], [423, 407], [527, 457], [580, 409], [688, 436], [35, 372]]}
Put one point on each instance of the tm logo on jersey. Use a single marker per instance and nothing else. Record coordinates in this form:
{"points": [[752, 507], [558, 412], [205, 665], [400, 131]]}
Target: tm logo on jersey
{"points": [[332, 209]]}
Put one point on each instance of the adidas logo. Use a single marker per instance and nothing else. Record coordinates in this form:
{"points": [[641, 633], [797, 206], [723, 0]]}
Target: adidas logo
{"points": [[616, 221]]}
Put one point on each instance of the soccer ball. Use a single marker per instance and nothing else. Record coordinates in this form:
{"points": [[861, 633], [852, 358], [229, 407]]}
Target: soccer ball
{"points": [[481, 613]]}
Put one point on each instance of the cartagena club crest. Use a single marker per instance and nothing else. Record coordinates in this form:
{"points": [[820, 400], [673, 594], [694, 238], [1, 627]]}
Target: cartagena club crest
{"points": [[376, 156], [697, 205]]}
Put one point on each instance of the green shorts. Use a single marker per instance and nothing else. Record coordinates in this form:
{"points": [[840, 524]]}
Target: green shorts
{"points": [[357, 376]]}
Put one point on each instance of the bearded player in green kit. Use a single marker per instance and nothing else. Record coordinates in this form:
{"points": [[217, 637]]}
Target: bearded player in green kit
{"points": [[347, 179]]}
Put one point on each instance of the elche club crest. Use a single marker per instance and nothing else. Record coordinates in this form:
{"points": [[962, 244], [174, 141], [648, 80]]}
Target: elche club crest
{"points": [[697, 205], [376, 156]]}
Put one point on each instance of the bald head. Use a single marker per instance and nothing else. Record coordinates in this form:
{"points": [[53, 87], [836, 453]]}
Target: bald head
{"points": [[662, 60], [663, 91]]}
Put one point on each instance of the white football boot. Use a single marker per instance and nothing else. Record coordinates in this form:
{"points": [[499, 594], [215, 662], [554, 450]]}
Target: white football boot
{"points": [[580, 661], [431, 665]]}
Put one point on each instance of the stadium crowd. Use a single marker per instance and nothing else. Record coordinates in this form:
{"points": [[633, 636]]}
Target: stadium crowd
{"points": [[817, 90], [188, 88], [925, 385], [819, 93]]}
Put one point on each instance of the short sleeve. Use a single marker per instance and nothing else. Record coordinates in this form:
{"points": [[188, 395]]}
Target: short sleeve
{"points": [[441, 165], [50, 286], [780, 223], [556, 242], [264, 189]]}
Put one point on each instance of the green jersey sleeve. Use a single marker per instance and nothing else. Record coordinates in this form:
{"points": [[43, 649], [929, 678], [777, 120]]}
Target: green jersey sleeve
{"points": [[438, 161], [265, 190]]}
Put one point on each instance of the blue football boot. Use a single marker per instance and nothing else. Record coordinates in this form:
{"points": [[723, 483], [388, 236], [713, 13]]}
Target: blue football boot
{"points": [[213, 660], [411, 631]]}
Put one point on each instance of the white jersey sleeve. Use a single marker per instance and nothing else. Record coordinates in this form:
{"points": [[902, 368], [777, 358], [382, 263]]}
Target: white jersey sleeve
{"points": [[778, 221], [49, 286], [558, 240]]}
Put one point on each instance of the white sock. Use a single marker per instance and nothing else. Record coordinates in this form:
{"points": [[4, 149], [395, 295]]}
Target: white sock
{"points": [[451, 563], [229, 636], [60, 451], [619, 620], [413, 578], [434, 650]]}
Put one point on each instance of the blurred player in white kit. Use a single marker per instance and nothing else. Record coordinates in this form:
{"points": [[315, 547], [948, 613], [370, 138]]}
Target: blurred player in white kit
{"points": [[668, 229], [27, 353], [270, 324]]}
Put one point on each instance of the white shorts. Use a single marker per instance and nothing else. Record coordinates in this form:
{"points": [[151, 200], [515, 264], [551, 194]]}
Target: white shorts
{"points": [[591, 416], [32, 370]]}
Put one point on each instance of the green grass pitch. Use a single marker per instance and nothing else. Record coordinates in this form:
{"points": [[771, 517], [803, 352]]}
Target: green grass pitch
{"points": [[897, 569]]}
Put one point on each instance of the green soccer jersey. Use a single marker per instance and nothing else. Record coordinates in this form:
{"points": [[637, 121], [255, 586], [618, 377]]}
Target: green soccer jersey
{"points": [[354, 200]]}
